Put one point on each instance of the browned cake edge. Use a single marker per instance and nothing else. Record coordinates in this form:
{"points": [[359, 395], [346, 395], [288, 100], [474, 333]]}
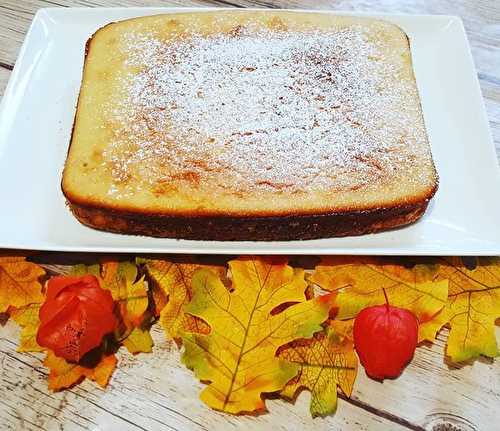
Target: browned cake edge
{"points": [[271, 228]]}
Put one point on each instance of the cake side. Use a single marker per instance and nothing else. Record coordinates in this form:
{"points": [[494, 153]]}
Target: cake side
{"points": [[227, 228]]}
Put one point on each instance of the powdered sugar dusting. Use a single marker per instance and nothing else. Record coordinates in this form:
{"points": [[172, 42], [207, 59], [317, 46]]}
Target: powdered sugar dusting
{"points": [[293, 111]]}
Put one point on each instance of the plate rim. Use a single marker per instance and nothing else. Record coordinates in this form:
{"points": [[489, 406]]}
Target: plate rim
{"points": [[201, 246]]}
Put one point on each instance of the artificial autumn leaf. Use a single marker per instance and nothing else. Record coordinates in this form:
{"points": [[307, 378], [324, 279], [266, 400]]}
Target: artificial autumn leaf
{"points": [[361, 282], [326, 361], [172, 291], [471, 310], [81, 269], [75, 316], [385, 338], [19, 282], [139, 341], [64, 374], [132, 296], [237, 357], [27, 318]]}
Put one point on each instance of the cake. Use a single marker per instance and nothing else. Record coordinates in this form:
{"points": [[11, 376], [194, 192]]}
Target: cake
{"points": [[248, 125]]}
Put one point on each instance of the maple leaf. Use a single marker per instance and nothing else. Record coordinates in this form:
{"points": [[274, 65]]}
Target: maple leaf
{"points": [[326, 361], [64, 374], [19, 282], [172, 291], [139, 341], [471, 310], [360, 282], [237, 357], [27, 318]]}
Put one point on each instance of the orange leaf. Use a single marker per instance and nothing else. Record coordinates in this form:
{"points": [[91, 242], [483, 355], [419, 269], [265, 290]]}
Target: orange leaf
{"points": [[471, 310], [19, 282], [172, 284], [64, 374]]}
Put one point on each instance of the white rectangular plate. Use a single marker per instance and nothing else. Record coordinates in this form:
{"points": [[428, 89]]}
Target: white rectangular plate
{"points": [[37, 112]]}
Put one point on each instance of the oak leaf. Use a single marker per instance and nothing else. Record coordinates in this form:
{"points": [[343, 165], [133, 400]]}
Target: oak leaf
{"points": [[120, 278], [471, 310], [139, 341], [82, 269], [237, 357], [27, 318], [64, 374], [360, 282], [131, 294], [19, 282], [171, 289], [327, 361]]}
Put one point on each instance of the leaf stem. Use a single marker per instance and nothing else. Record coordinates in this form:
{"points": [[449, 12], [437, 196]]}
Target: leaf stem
{"points": [[386, 299]]}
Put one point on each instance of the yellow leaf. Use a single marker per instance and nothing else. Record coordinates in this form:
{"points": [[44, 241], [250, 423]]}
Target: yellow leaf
{"points": [[81, 269], [326, 361], [119, 278], [172, 291], [19, 282], [64, 374], [27, 318], [139, 341], [237, 357], [471, 310], [360, 282]]}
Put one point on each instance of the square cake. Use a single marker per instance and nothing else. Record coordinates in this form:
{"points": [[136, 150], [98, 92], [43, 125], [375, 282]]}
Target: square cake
{"points": [[248, 125]]}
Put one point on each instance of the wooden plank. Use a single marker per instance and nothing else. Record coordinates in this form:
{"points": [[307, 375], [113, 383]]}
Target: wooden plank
{"points": [[491, 93], [147, 392], [16, 16], [4, 78], [156, 392]]}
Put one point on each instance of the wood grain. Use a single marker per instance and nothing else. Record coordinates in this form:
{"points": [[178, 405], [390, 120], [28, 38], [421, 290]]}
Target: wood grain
{"points": [[155, 391], [4, 77], [147, 392]]}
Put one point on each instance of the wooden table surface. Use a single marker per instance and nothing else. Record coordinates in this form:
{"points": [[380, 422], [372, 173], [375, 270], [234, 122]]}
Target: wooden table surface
{"points": [[155, 392]]}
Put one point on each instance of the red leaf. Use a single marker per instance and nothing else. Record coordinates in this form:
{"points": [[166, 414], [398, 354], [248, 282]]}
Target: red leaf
{"points": [[385, 338], [75, 316]]}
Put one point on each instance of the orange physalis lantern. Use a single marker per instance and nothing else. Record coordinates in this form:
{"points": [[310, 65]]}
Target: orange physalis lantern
{"points": [[75, 316]]}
